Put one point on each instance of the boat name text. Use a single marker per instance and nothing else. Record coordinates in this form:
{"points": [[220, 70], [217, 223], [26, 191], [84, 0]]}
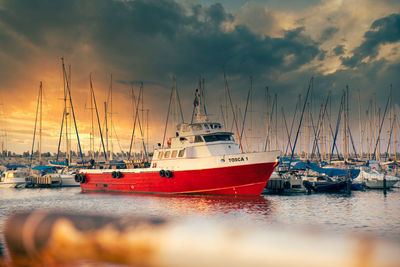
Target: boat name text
{"points": [[238, 159]]}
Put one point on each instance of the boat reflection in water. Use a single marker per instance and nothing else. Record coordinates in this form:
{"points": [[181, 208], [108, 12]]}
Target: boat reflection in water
{"points": [[204, 205]]}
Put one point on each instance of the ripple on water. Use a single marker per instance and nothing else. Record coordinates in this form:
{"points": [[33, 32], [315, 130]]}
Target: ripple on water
{"points": [[369, 211]]}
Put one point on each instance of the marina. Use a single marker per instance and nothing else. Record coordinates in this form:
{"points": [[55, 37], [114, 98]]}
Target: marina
{"points": [[199, 133]]}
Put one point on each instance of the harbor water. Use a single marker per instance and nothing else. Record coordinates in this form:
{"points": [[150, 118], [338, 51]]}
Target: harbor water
{"points": [[373, 212]]}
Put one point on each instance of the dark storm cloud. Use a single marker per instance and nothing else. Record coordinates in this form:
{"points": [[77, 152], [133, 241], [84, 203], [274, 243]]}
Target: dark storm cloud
{"points": [[155, 38], [382, 31], [328, 33], [338, 50]]}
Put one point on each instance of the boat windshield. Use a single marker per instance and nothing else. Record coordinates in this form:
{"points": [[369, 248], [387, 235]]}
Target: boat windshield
{"points": [[218, 137]]}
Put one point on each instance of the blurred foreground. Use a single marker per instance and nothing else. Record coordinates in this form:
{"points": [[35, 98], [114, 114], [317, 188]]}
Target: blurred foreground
{"points": [[49, 238]]}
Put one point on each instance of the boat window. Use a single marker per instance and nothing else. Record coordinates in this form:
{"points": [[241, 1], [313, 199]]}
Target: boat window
{"points": [[198, 139], [197, 127], [206, 126], [181, 153], [166, 154], [215, 126], [182, 139], [160, 155], [173, 155], [220, 137]]}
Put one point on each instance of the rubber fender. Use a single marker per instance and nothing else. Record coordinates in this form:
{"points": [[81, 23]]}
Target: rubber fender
{"points": [[169, 174], [83, 179], [162, 173], [77, 177]]}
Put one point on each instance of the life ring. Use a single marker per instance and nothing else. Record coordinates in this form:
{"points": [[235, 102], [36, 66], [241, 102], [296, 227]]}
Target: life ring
{"points": [[162, 173], [169, 174]]}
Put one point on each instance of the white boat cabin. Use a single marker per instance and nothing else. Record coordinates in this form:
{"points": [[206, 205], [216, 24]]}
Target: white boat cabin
{"points": [[196, 140]]}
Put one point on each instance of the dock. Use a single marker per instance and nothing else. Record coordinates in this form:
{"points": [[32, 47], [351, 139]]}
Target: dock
{"points": [[43, 181]]}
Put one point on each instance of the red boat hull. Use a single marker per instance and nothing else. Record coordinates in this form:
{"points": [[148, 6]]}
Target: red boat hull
{"points": [[234, 180]]}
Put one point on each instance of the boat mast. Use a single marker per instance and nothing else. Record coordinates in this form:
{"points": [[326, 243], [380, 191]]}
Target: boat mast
{"points": [[72, 108], [395, 139], [67, 154], [70, 121], [347, 123], [111, 119], [245, 111], [40, 127], [233, 112], [380, 127], [359, 124], [370, 130], [106, 122], [390, 113], [301, 119], [344, 128], [92, 119], [93, 97], [379, 137], [267, 119], [300, 143], [36, 119], [276, 122]]}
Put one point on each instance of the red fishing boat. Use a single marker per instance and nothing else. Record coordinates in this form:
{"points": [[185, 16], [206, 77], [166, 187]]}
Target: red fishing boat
{"points": [[201, 158]]}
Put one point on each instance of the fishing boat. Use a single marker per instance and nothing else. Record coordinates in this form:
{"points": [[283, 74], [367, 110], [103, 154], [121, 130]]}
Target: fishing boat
{"points": [[201, 158]]}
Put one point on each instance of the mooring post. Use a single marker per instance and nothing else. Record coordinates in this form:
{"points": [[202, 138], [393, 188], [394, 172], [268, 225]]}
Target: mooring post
{"points": [[348, 182]]}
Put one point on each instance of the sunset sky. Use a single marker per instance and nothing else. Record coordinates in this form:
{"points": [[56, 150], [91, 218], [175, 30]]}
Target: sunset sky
{"points": [[280, 43]]}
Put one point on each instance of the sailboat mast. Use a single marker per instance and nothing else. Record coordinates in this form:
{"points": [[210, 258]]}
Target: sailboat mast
{"points": [[111, 118], [276, 122], [36, 118], [70, 121], [40, 127], [65, 112], [98, 119], [395, 138], [92, 117], [359, 124], [106, 123], [251, 114], [390, 113], [344, 127], [300, 143], [347, 123], [267, 118], [379, 137]]}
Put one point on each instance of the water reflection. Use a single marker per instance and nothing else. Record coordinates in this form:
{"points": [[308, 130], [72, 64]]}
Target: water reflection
{"points": [[203, 205]]}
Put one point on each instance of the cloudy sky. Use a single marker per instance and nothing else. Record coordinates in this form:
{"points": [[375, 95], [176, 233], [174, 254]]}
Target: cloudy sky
{"points": [[279, 43]]}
